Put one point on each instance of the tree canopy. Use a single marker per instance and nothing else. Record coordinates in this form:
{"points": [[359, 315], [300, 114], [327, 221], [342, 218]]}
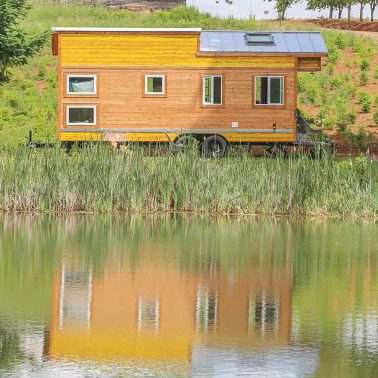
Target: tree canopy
{"points": [[16, 46]]}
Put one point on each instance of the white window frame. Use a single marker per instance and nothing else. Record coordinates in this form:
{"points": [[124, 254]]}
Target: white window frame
{"points": [[146, 92], [72, 76], [212, 90], [283, 90], [68, 107]]}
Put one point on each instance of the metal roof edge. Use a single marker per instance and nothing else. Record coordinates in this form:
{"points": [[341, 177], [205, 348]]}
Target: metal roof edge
{"points": [[152, 30], [265, 31]]}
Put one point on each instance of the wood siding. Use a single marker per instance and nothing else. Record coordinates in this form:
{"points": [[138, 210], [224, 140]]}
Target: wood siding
{"points": [[309, 64], [121, 104], [150, 50]]}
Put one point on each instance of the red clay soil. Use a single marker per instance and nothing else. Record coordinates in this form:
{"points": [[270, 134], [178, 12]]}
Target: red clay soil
{"points": [[345, 24], [346, 144]]}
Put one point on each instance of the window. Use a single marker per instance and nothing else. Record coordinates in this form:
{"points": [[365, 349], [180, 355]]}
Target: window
{"points": [[206, 310], [81, 84], [263, 313], [259, 39], [212, 90], [148, 313], [269, 90], [81, 115], [75, 296], [154, 84]]}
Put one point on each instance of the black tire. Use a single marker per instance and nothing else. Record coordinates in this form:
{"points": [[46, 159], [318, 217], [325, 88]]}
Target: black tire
{"points": [[214, 146], [185, 142]]}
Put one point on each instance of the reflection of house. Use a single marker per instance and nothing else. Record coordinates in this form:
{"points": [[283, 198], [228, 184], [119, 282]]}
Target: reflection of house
{"points": [[250, 310], [157, 312]]}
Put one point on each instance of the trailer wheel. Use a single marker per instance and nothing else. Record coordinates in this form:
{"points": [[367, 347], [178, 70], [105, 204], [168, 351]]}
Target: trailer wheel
{"points": [[214, 146], [185, 142]]}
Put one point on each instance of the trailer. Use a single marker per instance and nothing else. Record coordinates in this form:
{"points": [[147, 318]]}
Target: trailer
{"points": [[180, 85]]}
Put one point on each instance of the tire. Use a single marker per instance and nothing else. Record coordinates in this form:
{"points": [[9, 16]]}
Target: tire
{"points": [[214, 146], [185, 142]]}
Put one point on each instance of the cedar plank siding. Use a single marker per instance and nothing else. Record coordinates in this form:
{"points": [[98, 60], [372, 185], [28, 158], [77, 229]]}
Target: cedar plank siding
{"points": [[121, 103]]}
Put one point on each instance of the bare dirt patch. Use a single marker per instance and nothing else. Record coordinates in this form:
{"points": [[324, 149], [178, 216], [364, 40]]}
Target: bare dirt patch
{"points": [[353, 25]]}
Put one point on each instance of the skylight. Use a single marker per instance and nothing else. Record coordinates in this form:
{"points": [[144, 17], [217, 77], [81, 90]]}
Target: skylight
{"points": [[259, 39]]}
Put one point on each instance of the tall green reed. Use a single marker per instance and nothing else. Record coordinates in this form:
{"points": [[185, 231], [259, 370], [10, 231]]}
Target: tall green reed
{"points": [[98, 179]]}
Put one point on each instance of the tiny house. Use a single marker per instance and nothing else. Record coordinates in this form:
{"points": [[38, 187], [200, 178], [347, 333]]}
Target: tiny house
{"points": [[175, 85]]}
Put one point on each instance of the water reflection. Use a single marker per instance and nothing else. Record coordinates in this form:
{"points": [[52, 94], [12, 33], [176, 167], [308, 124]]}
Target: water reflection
{"points": [[183, 296]]}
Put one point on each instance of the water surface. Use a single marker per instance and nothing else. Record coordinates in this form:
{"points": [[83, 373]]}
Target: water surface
{"points": [[177, 296]]}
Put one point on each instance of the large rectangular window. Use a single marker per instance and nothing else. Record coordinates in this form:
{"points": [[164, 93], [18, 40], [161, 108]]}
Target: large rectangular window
{"points": [[154, 85], [212, 90], [269, 90], [81, 84], [81, 115]]}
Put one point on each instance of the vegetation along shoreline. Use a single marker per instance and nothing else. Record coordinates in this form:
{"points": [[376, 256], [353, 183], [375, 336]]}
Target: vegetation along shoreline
{"points": [[97, 179]]}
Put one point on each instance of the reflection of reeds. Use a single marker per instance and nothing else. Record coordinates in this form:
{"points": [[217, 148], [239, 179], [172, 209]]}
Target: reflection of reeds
{"points": [[99, 179]]}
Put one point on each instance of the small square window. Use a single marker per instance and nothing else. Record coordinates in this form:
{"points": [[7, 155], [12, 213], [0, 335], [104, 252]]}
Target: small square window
{"points": [[81, 115], [154, 85], [81, 84]]}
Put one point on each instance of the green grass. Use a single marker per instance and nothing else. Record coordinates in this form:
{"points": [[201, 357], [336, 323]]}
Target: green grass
{"points": [[29, 100], [100, 180]]}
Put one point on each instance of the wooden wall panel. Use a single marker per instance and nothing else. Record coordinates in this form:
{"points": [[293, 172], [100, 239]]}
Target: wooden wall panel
{"points": [[309, 64], [150, 50], [122, 106]]}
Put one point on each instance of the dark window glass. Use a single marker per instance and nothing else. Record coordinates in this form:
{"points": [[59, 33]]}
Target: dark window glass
{"points": [[154, 84], [81, 115], [275, 90], [217, 90], [261, 90]]}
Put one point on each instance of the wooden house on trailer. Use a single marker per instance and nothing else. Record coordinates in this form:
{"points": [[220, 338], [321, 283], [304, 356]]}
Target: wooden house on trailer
{"points": [[173, 85]]}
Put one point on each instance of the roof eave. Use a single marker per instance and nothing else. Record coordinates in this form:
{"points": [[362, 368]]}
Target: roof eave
{"points": [[252, 54]]}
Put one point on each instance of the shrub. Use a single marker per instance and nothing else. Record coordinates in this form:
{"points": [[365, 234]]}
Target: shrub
{"points": [[337, 81], [352, 116], [363, 96], [375, 118], [364, 65], [366, 106], [341, 41], [376, 72], [333, 55], [364, 78]]}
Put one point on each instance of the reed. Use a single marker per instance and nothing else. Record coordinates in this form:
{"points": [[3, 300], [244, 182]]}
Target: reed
{"points": [[98, 179]]}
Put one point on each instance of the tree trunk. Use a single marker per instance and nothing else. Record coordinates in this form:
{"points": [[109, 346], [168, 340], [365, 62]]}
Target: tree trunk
{"points": [[349, 11], [362, 12], [372, 9], [331, 12], [340, 12]]}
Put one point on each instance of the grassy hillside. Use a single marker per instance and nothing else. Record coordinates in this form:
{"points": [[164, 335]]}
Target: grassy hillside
{"points": [[29, 99]]}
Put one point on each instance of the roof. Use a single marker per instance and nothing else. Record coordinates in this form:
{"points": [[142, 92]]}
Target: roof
{"points": [[306, 42], [232, 41], [150, 30]]}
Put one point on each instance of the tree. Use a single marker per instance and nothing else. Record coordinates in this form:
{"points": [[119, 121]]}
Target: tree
{"points": [[323, 4], [15, 44], [373, 4], [362, 6], [282, 6]]}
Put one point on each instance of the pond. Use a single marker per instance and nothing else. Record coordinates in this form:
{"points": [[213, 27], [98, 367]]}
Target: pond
{"points": [[92, 295]]}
